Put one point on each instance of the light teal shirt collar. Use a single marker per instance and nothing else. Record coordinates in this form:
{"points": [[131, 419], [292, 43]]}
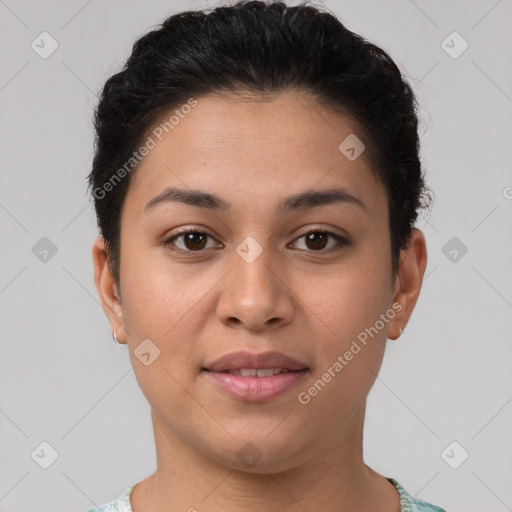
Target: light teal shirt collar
{"points": [[407, 502]]}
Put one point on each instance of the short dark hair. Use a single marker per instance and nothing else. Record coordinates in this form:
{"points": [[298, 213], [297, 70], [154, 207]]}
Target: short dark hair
{"points": [[261, 49]]}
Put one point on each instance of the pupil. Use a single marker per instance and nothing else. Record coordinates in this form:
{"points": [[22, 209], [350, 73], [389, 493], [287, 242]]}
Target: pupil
{"points": [[192, 239], [318, 240]]}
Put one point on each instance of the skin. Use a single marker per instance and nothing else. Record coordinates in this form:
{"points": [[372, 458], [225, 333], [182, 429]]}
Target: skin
{"points": [[297, 298]]}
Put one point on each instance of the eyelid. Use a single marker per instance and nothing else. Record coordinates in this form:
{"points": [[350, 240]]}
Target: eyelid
{"points": [[311, 228]]}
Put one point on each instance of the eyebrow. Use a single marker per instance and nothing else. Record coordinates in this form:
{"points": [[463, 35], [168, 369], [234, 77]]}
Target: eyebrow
{"points": [[300, 201]]}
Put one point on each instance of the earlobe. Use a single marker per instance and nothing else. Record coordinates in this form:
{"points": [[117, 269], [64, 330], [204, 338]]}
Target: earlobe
{"points": [[106, 287], [413, 261]]}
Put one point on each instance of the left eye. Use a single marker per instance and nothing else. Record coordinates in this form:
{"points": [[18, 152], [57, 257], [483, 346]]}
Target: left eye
{"points": [[317, 240]]}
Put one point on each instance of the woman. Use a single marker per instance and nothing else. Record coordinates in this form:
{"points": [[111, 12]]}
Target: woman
{"points": [[256, 182]]}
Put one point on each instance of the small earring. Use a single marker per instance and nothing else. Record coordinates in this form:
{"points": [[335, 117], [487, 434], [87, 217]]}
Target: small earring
{"points": [[401, 331], [114, 335]]}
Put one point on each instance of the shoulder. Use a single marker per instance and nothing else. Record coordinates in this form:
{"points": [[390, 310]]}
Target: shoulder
{"points": [[121, 504], [410, 504]]}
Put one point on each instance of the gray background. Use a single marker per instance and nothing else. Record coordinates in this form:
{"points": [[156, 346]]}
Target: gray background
{"points": [[64, 381]]}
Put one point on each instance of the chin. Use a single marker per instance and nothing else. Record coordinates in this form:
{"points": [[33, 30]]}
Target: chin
{"points": [[259, 452]]}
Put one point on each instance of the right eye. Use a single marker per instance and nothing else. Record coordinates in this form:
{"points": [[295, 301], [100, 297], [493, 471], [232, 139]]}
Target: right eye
{"points": [[192, 240]]}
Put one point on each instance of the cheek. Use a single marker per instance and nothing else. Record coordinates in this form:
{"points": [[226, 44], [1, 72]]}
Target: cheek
{"points": [[170, 305], [158, 296], [353, 298], [348, 358], [166, 309], [352, 335]]}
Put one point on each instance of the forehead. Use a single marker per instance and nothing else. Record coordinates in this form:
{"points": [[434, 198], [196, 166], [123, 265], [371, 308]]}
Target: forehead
{"points": [[254, 146]]}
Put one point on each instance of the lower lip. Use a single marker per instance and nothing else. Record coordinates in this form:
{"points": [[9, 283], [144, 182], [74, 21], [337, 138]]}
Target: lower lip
{"points": [[256, 389]]}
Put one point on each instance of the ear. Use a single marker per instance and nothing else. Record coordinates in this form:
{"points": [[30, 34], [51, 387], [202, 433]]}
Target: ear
{"points": [[408, 281], [107, 290]]}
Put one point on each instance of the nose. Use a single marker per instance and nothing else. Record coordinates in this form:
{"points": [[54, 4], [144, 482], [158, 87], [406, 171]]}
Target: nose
{"points": [[255, 295]]}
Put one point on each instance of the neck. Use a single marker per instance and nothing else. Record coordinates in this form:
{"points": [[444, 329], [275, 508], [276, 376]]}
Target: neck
{"points": [[328, 478]]}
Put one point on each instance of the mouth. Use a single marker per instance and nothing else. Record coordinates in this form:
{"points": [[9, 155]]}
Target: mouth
{"points": [[255, 385], [255, 377], [257, 372], [262, 362]]}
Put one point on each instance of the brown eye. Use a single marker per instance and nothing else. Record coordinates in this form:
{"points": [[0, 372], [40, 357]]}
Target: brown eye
{"points": [[316, 240], [194, 241], [319, 241], [189, 241]]}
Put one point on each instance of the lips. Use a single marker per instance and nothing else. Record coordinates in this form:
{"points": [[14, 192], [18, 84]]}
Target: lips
{"points": [[255, 377], [263, 363], [260, 372]]}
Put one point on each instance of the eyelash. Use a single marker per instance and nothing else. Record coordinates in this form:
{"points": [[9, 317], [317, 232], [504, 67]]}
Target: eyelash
{"points": [[341, 241]]}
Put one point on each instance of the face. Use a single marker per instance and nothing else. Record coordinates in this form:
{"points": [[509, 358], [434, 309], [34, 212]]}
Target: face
{"points": [[291, 254]]}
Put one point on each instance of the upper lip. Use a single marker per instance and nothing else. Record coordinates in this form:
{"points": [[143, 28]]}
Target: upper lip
{"points": [[241, 360]]}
